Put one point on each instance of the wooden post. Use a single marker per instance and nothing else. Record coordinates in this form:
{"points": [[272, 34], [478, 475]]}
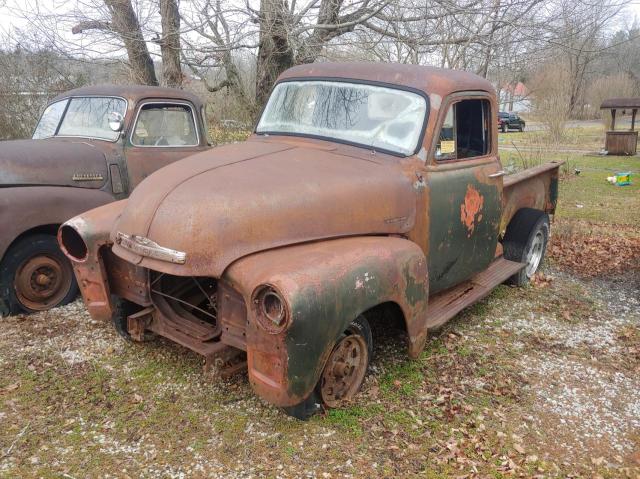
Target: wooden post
{"points": [[613, 119], [633, 118]]}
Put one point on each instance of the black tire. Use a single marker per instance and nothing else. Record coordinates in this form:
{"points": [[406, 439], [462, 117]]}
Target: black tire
{"points": [[122, 309], [52, 280], [527, 237], [504, 128], [521, 128], [314, 403]]}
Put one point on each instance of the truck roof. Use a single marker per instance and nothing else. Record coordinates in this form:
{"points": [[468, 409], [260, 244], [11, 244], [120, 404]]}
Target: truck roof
{"points": [[133, 93], [431, 80]]}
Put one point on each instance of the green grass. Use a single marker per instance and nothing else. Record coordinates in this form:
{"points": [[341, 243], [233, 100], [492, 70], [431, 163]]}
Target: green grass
{"points": [[601, 202], [588, 138]]}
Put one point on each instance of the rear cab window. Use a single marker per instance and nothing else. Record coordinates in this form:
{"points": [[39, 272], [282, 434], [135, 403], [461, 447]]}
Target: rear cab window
{"points": [[165, 124], [465, 132]]}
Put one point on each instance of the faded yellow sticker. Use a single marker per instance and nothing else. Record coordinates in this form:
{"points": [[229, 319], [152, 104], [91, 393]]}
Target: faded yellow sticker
{"points": [[447, 147]]}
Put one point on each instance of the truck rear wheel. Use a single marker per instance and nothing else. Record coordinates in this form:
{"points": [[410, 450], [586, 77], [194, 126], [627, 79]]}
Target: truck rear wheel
{"points": [[526, 242], [343, 373], [36, 276]]}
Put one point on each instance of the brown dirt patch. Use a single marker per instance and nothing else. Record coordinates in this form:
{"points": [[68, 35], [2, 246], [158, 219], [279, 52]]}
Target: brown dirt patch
{"points": [[587, 250]]}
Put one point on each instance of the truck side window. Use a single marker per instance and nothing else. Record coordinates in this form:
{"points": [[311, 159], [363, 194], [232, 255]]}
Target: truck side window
{"points": [[165, 124], [465, 131]]}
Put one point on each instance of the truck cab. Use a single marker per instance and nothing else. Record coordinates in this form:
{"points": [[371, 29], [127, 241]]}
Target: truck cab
{"points": [[367, 191], [92, 146]]}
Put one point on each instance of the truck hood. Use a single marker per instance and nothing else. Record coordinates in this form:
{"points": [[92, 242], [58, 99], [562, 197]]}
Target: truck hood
{"points": [[52, 162], [234, 200]]}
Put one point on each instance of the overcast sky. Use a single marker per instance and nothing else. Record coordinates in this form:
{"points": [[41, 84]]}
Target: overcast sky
{"points": [[10, 11]]}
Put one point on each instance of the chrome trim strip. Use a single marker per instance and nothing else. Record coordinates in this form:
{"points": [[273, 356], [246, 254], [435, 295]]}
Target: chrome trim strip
{"points": [[145, 247]]}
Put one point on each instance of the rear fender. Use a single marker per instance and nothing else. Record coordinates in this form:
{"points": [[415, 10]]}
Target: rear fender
{"points": [[535, 188], [325, 285]]}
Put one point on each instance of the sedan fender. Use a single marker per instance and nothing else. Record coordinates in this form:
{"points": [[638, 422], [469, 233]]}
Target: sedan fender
{"points": [[323, 286], [24, 208]]}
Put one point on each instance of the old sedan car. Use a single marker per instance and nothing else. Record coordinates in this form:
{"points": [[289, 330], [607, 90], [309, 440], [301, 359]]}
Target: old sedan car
{"points": [[92, 145], [369, 192]]}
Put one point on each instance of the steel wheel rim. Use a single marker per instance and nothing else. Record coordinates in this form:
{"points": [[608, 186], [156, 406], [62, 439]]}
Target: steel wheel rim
{"points": [[534, 255], [42, 282], [345, 370]]}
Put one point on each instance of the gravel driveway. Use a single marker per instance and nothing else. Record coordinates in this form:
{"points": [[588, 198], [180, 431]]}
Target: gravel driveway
{"points": [[542, 381]]}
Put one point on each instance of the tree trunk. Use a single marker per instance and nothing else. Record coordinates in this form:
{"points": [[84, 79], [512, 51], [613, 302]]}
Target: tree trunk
{"points": [[170, 43], [274, 52], [125, 23]]}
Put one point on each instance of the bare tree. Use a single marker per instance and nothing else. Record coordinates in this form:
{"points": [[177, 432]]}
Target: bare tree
{"points": [[237, 48], [106, 28], [124, 22], [170, 43]]}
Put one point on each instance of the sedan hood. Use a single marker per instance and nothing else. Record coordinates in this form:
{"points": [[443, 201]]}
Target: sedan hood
{"points": [[234, 200], [52, 162]]}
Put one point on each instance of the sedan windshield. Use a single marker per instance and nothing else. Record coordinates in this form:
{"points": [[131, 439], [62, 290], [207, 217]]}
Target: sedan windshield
{"points": [[373, 116], [84, 117]]}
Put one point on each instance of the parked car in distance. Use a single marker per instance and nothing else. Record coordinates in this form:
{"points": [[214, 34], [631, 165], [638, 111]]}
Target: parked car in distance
{"points": [[510, 121], [368, 192], [92, 145]]}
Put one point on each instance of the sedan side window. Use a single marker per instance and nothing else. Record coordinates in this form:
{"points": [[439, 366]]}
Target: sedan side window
{"points": [[165, 124], [465, 132]]}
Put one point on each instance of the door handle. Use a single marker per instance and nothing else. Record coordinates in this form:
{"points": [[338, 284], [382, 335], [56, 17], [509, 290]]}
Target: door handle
{"points": [[498, 174]]}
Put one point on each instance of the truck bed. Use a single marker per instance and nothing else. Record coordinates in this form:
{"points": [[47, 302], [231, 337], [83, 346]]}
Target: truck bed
{"points": [[535, 187]]}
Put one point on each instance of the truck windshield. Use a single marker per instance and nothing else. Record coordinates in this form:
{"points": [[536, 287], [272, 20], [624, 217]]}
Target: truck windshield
{"points": [[84, 117], [373, 116]]}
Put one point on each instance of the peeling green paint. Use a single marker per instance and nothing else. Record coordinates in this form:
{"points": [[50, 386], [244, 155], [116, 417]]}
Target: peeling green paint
{"points": [[459, 251]]}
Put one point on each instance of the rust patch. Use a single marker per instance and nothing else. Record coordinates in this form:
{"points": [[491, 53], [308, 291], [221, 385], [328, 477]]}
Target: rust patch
{"points": [[473, 202]]}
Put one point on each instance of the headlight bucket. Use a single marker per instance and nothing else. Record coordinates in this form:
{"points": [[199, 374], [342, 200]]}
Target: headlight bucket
{"points": [[270, 309]]}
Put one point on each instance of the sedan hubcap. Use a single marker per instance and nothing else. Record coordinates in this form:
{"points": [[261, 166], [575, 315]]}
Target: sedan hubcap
{"points": [[42, 282]]}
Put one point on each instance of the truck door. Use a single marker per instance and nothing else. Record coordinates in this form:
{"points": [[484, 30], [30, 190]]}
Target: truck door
{"points": [[465, 184], [163, 131]]}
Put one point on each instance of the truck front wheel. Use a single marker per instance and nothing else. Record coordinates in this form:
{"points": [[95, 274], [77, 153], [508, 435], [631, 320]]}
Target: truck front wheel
{"points": [[343, 373], [122, 309], [36, 276], [526, 242]]}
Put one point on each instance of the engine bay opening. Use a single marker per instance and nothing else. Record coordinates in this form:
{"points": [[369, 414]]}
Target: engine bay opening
{"points": [[186, 297]]}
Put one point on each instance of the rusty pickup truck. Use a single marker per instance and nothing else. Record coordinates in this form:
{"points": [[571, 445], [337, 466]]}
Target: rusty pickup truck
{"points": [[92, 146], [367, 191]]}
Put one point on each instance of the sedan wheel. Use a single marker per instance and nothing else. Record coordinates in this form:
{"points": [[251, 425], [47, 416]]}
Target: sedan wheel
{"points": [[42, 281], [35, 276]]}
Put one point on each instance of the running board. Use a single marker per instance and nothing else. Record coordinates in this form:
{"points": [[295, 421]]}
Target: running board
{"points": [[445, 305]]}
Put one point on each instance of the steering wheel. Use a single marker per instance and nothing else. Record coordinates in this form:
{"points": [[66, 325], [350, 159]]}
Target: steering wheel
{"points": [[161, 141]]}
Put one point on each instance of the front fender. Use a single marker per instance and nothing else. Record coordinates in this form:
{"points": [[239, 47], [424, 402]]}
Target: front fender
{"points": [[326, 285], [92, 229]]}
